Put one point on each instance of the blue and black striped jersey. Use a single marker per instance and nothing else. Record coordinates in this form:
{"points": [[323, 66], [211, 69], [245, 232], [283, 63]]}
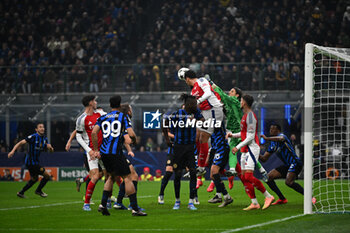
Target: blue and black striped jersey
{"points": [[36, 144], [284, 151], [218, 140], [113, 126], [184, 132]]}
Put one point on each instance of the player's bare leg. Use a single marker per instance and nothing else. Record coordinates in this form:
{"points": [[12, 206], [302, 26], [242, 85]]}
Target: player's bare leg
{"points": [[131, 193], [291, 176]]}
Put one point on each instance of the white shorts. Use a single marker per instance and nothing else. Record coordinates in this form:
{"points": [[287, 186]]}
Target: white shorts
{"points": [[216, 113], [247, 162], [93, 164]]}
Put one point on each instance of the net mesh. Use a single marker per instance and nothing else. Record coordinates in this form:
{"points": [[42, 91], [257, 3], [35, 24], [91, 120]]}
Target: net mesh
{"points": [[331, 130]]}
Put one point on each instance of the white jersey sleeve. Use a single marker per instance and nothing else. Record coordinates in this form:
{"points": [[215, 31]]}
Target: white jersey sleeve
{"points": [[82, 137], [251, 130], [208, 93]]}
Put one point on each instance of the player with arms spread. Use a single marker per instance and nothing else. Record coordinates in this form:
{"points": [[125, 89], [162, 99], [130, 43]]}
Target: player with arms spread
{"points": [[250, 149], [113, 125], [281, 145], [37, 143], [84, 126]]}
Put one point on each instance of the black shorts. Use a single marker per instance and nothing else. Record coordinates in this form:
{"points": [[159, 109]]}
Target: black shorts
{"points": [[184, 156], [116, 164], [284, 169], [35, 170], [169, 159], [86, 164]]}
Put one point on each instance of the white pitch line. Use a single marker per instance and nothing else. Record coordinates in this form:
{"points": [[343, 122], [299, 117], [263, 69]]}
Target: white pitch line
{"points": [[39, 206], [54, 204], [262, 224]]}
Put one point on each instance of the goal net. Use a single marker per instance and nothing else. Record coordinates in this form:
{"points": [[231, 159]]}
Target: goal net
{"points": [[327, 129]]}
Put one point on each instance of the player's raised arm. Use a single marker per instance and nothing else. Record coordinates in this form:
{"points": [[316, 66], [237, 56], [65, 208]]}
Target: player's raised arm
{"points": [[69, 142], [20, 143]]}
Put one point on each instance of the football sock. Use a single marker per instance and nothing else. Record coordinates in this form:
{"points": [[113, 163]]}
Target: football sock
{"points": [[190, 201], [121, 192], [135, 185], [239, 171], [254, 181], [273, 187], [297, 187], [220, 187], [133, 201], [254, 201], [203, 153], [89, 191], [42, 184], [249, 188], [28, 185], [192, 183], [87, 183], [177, 183], [105, 196], [218, 194], [85, 178], [165, 181]]}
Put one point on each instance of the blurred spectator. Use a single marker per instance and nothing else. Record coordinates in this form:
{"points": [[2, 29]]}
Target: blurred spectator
{"points": [[281, 78], [150, 145], [245, 79], [158, 176], [156, 74], [295, 79], [146, 176], [7, 176], [269, 78], [130, 81]]}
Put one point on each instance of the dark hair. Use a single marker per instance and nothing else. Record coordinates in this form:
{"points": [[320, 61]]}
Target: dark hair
{"points": [[114, 101], [239, 92], [249, 100], [125, 108], [86, 100], [277, 126], [190, 74], [38, 123], [190, 103]]}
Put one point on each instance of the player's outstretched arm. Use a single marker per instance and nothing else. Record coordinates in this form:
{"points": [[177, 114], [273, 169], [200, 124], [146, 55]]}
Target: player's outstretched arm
{"points": [[69, 142], [20, 143], [233, 135], [274, 139]]}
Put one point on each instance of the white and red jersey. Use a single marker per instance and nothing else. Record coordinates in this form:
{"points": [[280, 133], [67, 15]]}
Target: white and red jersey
{"points": [[249, 132], [84, 125], [205, 95]]}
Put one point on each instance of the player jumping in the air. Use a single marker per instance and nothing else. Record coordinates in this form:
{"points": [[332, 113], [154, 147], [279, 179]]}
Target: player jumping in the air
{"points": [[281, 145], [184, 146], [113, 125], [37, 143], [211, 109], [232, 104], [250, 153], [84, 126]]}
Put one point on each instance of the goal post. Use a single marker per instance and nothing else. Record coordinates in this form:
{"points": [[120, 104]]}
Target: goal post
{"points": [[326, 130], [308, 152]]}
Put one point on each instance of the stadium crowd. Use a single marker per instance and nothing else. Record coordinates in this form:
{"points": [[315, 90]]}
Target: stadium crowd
{"points": [[57, 46]]}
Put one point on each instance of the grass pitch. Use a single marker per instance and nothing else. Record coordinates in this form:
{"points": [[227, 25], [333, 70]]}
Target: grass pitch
{"points": [[62, 211]]}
